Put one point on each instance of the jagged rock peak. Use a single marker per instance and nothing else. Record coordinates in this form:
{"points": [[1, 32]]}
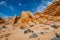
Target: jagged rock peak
{"points": [[15, 19]]}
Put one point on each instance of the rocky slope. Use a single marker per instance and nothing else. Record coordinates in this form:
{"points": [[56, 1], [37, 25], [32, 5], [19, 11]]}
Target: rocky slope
{"points": [[40, 26]]}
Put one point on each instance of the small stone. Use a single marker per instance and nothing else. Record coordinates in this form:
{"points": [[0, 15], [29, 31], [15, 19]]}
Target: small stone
{"points": [[27, 31], [6, 39], [7, 35], [4, 27], [57, 35], [54, 26], [54, 39], [32, 25], [41, 32], [21, 28], [34, 35], [59, 38]]}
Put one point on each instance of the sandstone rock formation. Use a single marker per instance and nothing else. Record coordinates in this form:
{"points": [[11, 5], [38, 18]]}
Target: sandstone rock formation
{"points": [[13, 20], [53, 9], [40, 26]]}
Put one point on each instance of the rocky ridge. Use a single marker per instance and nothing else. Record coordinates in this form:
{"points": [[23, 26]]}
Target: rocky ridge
{"points": [[40, 26]]}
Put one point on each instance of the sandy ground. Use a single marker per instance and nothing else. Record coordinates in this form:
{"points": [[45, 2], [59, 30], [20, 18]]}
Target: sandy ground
{"points": [[42, 31]]}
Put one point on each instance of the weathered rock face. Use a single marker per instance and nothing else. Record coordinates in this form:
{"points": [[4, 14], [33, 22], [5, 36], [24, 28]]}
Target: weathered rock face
{"points": [[27, 14], [53, 9], [38, 14], [41, 26], [13, 20], [25, 18], [9, 19]]}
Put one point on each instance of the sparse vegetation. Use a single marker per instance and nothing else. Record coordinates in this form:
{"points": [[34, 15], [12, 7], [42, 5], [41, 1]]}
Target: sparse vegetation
{"points": [[27, 31], [55, 26], [33, 35]]}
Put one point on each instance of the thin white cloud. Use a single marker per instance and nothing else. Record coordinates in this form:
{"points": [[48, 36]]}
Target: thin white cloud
{"points": [[3, 3], [43, 7], [20, 4], [48, 2], [11, 7], [32, 9], [40, 8]]}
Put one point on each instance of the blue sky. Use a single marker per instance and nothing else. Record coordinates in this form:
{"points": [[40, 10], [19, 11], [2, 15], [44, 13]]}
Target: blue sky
{"points": [[12, 7]]}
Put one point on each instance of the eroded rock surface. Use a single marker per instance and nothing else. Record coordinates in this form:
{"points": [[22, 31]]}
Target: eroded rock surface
{"points": [[41, 26]]}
